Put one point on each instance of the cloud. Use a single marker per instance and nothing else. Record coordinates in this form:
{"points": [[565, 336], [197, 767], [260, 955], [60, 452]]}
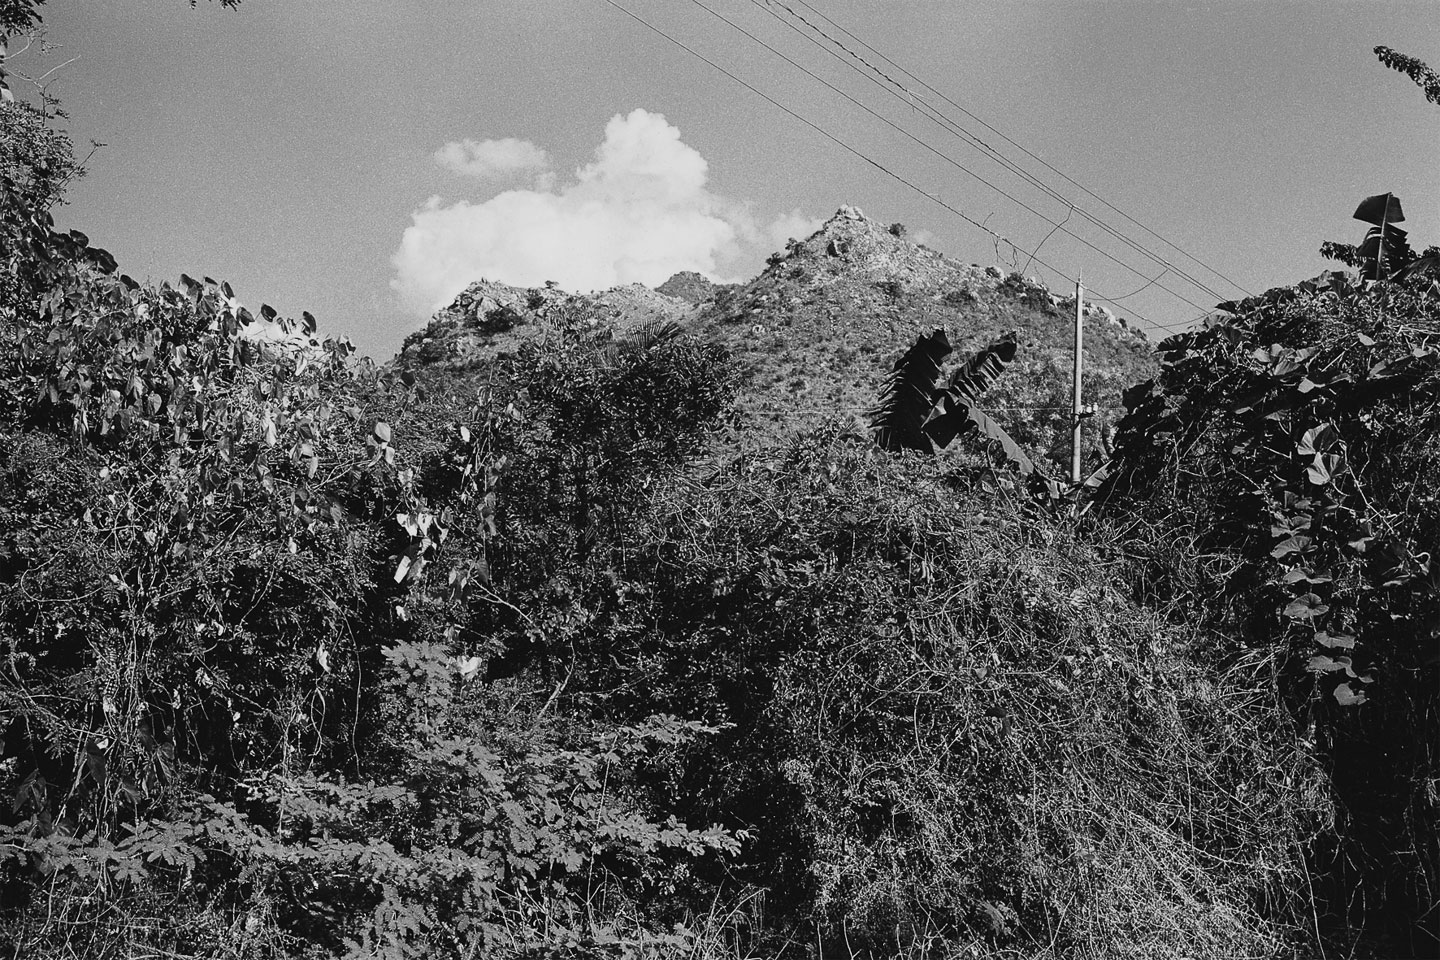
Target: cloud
{"points": [[492, 159], [639, 212]]}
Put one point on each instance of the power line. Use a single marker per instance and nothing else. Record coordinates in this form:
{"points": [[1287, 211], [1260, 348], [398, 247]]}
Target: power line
{"points": [[1136, 291], [912, 75], [857, 153], [903, 93], [937, 152], [813, 126]]}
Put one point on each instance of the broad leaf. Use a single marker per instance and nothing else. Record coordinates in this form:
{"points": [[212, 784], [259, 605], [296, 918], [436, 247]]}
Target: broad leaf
{"points": [[1348, 697], [996, 432], [1306, 607], [1318, 440], [1323, 664], [908, 395], [1296, 544], [978, 373]]}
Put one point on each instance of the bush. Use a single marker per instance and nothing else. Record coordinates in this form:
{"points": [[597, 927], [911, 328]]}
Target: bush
{"points": [[1294, 444], [219, 532], [944, 728]]}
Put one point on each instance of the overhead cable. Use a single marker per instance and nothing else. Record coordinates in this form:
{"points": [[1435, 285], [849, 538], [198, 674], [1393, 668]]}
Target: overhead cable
{"points": [[854, 151], [904, 94], [937, 152], [939, 93]]}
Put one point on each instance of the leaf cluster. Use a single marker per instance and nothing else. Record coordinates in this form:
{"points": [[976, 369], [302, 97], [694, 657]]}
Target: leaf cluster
{"points": [[1293, 442]]}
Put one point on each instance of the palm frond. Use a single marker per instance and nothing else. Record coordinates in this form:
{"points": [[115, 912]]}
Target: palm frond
{"points": [[654, 334], [649, 336]]}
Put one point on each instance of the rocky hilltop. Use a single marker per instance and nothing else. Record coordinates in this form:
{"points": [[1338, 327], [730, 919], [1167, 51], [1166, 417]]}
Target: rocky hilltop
{"points": [[488, 319], [818, 329]]}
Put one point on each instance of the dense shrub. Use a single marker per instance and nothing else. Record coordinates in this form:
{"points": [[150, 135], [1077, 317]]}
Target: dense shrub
{"points": [[1292, 449], [946, 725], [233, 691]]}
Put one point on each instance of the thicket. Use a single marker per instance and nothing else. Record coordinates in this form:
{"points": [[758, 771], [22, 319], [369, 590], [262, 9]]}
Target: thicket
{"points": [[240, 716], [304, 658], [1278, 481], [1284, 467]]}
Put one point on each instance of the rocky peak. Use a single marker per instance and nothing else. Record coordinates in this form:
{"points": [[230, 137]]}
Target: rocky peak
{"points": [[850, 245], [689, 286], [488, 319]]}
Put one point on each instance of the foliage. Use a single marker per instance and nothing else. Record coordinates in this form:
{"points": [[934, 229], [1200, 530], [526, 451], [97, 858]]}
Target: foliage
{"points": [[1425, 78], [1296, 442], [474, 837], [303, 658], [36, 161], [946, 724], [18, 16], [216, 548], [917, 413]]}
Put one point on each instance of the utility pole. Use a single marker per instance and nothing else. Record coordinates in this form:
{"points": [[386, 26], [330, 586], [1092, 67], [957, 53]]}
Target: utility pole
{"points": [[1079, 354]]}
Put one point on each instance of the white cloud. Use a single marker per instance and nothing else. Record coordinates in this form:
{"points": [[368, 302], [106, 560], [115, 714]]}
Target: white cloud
{"points": [[791, 226], [638, 212], [492, 159]]}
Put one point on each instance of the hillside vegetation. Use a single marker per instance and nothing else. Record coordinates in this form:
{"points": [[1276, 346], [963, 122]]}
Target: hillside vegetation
{"points": [[602, 626], [815, 334]]}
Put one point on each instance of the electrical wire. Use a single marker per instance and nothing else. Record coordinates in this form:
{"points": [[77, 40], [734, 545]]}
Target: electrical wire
{"points": [[937, 152], [818, 129], [1060, 173], [1136, 291], [903, 93], [858, 154], [949, 125]]}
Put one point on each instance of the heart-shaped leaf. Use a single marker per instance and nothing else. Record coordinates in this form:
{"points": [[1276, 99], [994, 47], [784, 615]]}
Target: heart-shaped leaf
{"points": [[1348, 697], [1323, 664], [1306, 607], [1317, 440], [1290, 545]]}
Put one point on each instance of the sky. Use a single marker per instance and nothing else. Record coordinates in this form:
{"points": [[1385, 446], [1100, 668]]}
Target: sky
{"points": [[366, 159]]}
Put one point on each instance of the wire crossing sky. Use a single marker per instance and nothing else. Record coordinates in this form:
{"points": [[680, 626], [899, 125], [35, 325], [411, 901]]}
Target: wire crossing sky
{"points": [[906, 90], [1032, 255], [366, 159], [907, 95]]}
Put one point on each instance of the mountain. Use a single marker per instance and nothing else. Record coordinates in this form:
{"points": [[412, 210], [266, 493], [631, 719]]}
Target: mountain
{"points": [[817, 331]]}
